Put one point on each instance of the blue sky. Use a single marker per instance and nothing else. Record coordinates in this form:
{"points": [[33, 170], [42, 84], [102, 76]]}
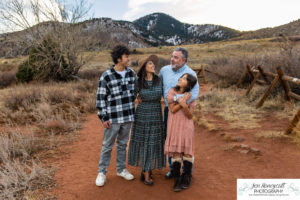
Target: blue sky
{"points": [[114, 9], [242, 15], [238, 14]]}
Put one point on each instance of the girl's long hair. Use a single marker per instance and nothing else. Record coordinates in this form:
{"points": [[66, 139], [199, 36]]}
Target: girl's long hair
{"points": [[142, 75], [191, 82]]}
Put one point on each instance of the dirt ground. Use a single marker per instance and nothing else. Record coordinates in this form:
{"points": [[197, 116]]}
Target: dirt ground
{"points": [[218, 164]]}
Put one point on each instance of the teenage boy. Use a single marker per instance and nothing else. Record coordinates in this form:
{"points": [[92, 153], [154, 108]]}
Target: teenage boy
{"points": [[115, 103]]}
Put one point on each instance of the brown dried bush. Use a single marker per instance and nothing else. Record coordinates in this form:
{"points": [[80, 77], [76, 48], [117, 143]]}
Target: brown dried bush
{"points": [[22, 98], [7, 79], [230, 69], [19, 172], [65, 102], [90, 74]]}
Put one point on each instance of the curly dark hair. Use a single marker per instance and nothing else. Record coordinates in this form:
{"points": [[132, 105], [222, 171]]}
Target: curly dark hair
{"points": [[191, 82], [118, 51]]}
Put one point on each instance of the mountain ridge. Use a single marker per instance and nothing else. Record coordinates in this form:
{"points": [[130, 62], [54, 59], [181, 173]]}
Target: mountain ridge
{"points": [[156, 29]]}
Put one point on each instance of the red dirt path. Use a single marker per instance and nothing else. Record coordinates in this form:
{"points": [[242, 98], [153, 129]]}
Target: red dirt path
{"points": [[215, 171]]}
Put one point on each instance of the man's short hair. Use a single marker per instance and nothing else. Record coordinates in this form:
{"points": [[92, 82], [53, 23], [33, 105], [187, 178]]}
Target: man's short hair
{"points": [[184, 52], [118, 51]]}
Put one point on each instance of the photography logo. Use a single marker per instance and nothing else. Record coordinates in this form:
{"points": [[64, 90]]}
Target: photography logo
{"points": [[268, 189]]}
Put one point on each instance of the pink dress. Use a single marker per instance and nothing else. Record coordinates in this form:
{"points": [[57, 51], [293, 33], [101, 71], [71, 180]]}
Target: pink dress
{"points": [[180, 130]]}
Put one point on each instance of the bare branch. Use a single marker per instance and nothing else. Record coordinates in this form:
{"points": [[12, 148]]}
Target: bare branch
{"points": [[55, 43]]}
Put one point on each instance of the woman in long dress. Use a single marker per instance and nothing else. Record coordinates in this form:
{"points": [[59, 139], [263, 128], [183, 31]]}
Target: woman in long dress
{"points": [[146, 147]]}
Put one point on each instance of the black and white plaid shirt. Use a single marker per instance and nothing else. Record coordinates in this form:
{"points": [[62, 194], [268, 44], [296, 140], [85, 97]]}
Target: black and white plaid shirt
{"points": [[115, 96]]}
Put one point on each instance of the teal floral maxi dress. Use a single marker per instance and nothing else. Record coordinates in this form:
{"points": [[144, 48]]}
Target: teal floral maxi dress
{"points": [[146, 147]]}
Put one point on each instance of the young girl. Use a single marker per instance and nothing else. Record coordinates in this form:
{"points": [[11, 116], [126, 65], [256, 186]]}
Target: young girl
{"points": [[179, 143]]}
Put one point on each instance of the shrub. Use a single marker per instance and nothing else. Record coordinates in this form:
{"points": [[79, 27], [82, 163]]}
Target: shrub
{"points": [[19, 173], [23, 98], [7, 79], [230, 69], [16, 145], [47, 62], [5, 66], [86, 86], [17, 178], [38, 104], [24, 73], [90, 74], [56, 126]]}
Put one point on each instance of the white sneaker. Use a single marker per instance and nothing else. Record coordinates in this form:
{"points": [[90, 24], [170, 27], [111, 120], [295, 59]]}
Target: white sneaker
{"points": [[126, 175], [101, 178]]}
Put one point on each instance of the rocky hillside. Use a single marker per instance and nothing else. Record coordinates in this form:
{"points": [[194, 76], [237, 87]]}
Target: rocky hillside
{"points": [[290, 29], [156, 29], [98, 34], [102, 33]]}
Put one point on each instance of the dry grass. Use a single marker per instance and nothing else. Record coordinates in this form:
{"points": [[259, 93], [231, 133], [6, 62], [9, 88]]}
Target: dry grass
{"points": [[296, 130], [11, 64], [7, 78], [230, 68], [39, 104], [7, 67], [56, 108], [202, 122], [270, 134], [239, 110], [229, 147], [227, 58], [231, 105], [207, 53], [296, 134], [20, 170], [18, 177], [90, 74], [53, 110]]}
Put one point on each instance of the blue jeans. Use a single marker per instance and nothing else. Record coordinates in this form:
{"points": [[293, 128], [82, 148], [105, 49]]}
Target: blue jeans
{"points": [[121, 132], [166, 112]]}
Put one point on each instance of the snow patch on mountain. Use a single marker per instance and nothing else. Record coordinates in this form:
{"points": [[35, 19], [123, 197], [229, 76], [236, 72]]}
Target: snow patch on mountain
{"points": [[175, 40]]}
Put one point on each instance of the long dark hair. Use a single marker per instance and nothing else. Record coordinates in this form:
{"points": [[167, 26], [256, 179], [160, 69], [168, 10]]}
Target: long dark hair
{"points": [[191, 82], [142, 75]]}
